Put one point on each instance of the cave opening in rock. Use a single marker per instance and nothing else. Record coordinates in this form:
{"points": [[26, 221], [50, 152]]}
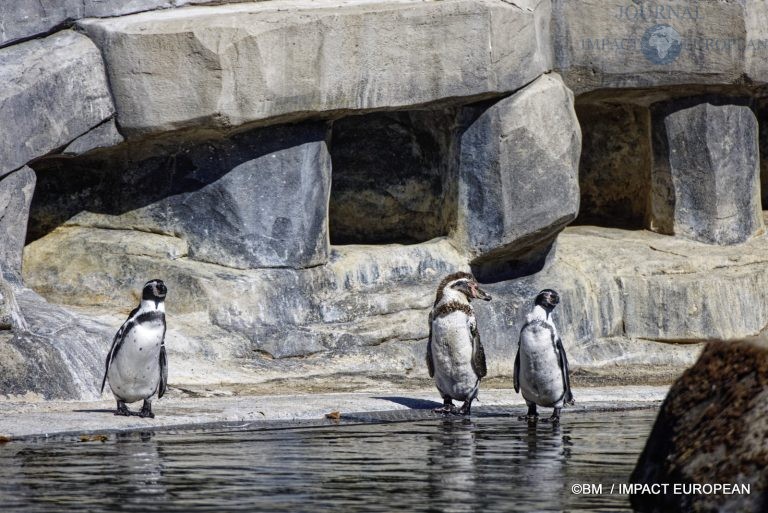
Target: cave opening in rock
{"points": [[615, 165], [761, 110], [393, 177]]}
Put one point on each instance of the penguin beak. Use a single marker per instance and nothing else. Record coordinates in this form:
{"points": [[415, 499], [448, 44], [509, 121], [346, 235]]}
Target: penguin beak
{"points": [[481, 294]]}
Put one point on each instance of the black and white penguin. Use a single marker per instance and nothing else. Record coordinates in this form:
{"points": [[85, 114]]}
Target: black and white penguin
{"points": [[137, 367], [455, 356], [541, 367]]}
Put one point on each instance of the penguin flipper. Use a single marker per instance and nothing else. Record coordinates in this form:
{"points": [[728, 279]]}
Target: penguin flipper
{"points": [[106, 371], [516, 375], [430, 363], [478, 354], [563, 360], [117, 342], [163, 372]]}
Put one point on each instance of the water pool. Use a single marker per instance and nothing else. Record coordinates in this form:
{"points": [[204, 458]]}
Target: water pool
{"points": [[491, 462]]}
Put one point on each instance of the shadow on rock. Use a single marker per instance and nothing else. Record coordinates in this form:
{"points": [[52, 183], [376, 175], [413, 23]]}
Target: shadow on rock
{"points": [[414, 404]]}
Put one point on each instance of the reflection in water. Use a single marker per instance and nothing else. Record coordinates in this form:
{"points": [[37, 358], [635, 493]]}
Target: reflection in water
{"points": [[452, 467], [487, 463], [546, 460], [130, 464]]}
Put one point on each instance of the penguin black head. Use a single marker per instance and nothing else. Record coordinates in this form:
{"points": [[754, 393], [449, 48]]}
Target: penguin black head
{"points": [[154, 290], [548, 299], [464, 283]]}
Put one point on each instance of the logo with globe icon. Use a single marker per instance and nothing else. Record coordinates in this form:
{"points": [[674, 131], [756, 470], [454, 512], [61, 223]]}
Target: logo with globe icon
{"points": [[662, 44]]}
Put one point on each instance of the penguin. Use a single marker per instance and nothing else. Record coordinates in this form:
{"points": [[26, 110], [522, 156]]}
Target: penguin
{"points": [[455, 356], [541, 366], [137, 366]]}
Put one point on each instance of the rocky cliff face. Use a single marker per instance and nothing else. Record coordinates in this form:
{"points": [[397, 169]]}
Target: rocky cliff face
{"points": [[302, 174]]}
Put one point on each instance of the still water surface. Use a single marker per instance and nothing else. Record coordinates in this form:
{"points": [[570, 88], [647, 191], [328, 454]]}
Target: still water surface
{"points": [[492, 462]]}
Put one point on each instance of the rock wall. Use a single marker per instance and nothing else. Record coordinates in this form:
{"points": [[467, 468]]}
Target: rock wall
{"points": [[302, 174]]}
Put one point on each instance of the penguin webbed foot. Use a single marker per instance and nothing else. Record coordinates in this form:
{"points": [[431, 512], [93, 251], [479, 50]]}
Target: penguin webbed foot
{"points": [[555, 418], [448, 408], [146, 410], [465, 408], [122, 409], [532, 414]]}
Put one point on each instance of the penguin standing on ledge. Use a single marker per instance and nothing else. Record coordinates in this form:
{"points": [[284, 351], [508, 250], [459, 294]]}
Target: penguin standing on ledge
{"points": [[455, 356], [541, 367], [137, 367]]}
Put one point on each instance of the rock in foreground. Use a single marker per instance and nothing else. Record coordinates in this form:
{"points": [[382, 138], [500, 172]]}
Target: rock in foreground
{"points": [[712, 428]]}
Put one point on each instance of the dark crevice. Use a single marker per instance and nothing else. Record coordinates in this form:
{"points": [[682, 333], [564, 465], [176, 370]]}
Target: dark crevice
{"points": [[615, 165], [393, 177]]}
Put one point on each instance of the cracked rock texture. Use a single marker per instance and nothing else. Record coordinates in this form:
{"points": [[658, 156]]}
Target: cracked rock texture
{"points": [[612, 44], [55, 90], [24, 19], [706, 172], [16, 191], [303, 173], [630, 299], [256, 199], [283, 59], [518, 172]]}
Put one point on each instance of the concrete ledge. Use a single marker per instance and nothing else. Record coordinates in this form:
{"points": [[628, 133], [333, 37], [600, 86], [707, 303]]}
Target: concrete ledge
{"points": [[67, 419]]}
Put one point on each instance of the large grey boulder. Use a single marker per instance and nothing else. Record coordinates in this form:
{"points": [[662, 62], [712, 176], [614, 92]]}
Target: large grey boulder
{"points": [[756, 40], [6, 313], [54, 90], [54, 355], [605, 44], [25, 19], [711, 430], [256, 199], [16, 190], [706, 175], [518, 173], [229, 65]]}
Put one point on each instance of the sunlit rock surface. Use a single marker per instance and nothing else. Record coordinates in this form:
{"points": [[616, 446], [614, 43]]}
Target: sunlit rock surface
{"points": [[303, 173], [16, 191], [286, 58], [518, 172], [616, 44], [631, 300], [706, 171], [24, 19], [55, 89]]}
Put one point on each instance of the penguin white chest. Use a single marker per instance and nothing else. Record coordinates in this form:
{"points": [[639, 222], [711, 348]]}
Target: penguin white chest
{"points": [[541, 379], [135, 371], [452, 356]]}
